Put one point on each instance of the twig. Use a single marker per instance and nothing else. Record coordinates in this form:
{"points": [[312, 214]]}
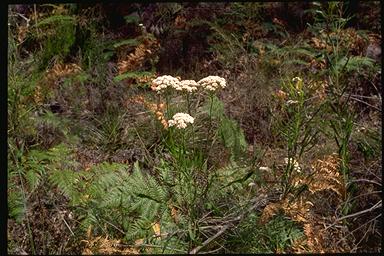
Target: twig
{"points": [[361, 101], [221, 247], [261, 200], [377, 205], [66, 224], [365, 180], [362, 96], [118, 229], [365, 194], [351, 233], [211, 227], [206, 242], [367, 231], [25, 18], [154, 246]]}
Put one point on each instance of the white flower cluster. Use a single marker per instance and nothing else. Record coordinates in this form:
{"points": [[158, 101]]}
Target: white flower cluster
{"points": [[162, 82], [212, 83], [296, 166], [291, 102], [297, 79], [187, 85], [180, 120]]}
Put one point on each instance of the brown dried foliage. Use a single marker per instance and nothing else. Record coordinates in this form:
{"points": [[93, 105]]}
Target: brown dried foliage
{"points": [[134, 61], [105, 245], [349, 39], [301, 208], [60, 70], [156, 108], [51, 77]]}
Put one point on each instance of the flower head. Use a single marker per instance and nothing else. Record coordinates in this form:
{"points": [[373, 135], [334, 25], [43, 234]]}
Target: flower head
{"points": [[187, 85], [280, 94], [296, 166], [291, 102], [180, 120], [212, 83], [297, 79], [264, 168], [162, 82], [299, 82]]}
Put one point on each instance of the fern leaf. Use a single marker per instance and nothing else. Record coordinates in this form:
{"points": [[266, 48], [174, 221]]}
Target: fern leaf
{"points": [[66, 181], [16, 207]]}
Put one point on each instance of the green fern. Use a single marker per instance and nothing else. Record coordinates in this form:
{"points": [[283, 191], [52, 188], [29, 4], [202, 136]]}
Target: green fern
{"points": [[354, 63], [32, 171], [59, 40], [16, 207], [66, 180], [52, 20]]}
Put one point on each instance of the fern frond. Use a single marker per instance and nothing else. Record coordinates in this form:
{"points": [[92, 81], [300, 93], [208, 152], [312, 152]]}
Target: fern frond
{"points": [[66, 181], [16, 207], [33, 178], [55, 19]]}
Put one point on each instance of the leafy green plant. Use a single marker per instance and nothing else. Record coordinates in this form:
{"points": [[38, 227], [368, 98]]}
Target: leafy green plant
{"points": [[59, 39], [299, 125], [114, 201], [108, 131], [277, 235]]}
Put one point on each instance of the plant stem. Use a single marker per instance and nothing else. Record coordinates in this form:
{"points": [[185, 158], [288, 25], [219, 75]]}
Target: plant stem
{"points": [[188, 104], [210, 119]]}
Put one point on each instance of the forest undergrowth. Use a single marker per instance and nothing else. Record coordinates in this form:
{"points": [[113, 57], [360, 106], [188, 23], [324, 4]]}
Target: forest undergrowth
{"points": [[194, 128]]}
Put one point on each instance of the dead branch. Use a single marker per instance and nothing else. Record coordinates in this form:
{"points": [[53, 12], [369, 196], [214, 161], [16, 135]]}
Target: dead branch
{"points": [[377, 205], [259, 201]]}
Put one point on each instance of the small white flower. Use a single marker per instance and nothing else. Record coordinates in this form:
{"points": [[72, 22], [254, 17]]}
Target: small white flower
{"points": [[163, 82], [296, 79], [291, 102], [187, 85], [180, 120], [296, 166], [212, 83]]}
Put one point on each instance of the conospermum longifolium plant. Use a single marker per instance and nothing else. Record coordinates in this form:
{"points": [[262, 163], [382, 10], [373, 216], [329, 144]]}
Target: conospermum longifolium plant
{"points": [[167, 86], [180, 114], [180, 117]]}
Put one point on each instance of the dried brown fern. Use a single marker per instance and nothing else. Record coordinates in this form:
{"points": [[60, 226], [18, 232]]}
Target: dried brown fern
{"points": [[301, 208], [135, 60], [327, 176], [60, 70], [104, 245], [51, 79], [156, 108]]}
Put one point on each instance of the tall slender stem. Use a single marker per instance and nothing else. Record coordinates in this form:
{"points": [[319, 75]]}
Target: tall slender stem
{"points": [[188, 104], [210, 118]]}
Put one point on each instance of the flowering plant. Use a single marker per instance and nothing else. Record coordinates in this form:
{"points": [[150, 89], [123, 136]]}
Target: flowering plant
{"points": [[163, 82], [180, 120], [212, 83]]}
